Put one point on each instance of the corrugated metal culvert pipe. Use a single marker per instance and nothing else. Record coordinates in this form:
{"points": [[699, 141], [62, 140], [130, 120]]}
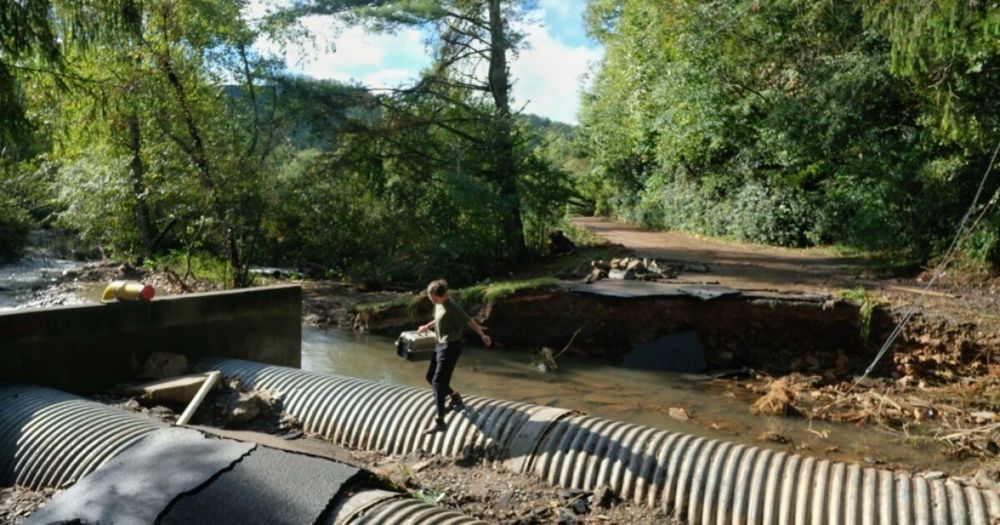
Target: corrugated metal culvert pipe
{"points": [[378, 506], [695, 479], [50, 438]]}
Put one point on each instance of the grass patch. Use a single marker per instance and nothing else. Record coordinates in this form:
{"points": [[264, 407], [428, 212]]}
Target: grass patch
{"points": [[866, 305], [202, 267], [580, 236], [488, 292]]}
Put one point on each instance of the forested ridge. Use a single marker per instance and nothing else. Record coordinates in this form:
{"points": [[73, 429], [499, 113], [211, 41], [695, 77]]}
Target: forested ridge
{"points": [[154, 131]]}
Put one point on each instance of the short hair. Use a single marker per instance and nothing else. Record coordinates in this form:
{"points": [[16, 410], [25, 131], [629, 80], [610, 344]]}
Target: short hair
{"points": [[438, 288]]}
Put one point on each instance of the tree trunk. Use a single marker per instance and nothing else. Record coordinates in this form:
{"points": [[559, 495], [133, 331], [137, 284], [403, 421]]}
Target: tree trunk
{"points": [[137, 173], [505, 166]]}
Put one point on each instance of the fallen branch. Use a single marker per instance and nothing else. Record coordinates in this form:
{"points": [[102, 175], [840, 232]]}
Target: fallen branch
{"points": [[561, 352]]}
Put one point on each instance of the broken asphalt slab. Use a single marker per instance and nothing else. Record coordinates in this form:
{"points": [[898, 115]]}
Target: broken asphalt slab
{"points": [[634, 289], [268, 486], [136, 485]]}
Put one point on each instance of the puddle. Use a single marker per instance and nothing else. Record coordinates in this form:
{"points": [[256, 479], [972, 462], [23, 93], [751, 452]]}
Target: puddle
{"points": [[718, 408]]}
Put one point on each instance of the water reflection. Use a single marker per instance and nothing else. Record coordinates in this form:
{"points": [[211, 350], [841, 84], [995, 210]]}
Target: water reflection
{"points": [[717, 408]]}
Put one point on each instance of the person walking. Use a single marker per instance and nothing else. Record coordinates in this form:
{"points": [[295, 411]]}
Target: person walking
{"points": [[449, 323]]}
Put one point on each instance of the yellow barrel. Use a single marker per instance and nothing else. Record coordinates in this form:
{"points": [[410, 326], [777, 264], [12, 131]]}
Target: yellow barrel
{"points": [[127, 291]]}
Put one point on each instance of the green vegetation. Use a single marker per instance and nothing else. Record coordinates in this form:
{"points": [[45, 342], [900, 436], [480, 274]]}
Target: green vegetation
{"points": [[479, 294], [867, 124], [866, 307], [154, 131], [486, 293]]}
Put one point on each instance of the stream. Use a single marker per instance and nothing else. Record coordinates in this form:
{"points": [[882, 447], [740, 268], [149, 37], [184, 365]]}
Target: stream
{"points": [[24, 283], [717, 408]]}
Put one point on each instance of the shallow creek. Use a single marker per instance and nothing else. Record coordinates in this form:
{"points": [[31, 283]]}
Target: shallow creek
{"points": [[22, 280], [717, 408]]}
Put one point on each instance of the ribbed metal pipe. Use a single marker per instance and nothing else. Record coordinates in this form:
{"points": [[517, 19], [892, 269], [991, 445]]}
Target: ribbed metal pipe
{"points": [[694, 479], [380, 507], [50, 438], [390, 418]]}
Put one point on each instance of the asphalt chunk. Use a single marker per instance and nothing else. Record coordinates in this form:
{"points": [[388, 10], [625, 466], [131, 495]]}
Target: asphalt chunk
{"points": [[139, 483], [268, 486]]}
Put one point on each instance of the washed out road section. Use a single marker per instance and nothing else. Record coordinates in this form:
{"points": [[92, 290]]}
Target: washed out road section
{"points": [[135, 486], [268, 486]]}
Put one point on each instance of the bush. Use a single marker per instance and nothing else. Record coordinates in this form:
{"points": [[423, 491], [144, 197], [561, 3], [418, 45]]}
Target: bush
{"points": [[15, 226], [753, 212], [771, 216]]}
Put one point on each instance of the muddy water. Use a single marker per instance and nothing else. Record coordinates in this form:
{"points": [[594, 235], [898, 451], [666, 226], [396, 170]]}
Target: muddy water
{"points": [[717, 408]]}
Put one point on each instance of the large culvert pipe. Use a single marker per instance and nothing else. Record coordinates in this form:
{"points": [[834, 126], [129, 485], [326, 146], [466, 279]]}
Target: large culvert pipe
{"points": [[378, 506], [50, 438], [695, 479]]}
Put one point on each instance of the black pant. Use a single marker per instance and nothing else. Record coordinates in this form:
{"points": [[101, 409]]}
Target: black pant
{"points": [[439, 372]]}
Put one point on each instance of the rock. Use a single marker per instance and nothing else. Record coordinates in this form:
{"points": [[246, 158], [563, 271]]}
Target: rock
{"points": [[173, 391], [596, 275], [161, 365], [248, 406], [565, 517], [604, 497], [634, 265], [621, 275], [678, 413], [579, 506]]}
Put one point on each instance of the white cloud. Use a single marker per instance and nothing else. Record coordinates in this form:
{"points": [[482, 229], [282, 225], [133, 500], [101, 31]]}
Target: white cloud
{"points": [[349, 53], [560, 8], [388, 78], [549, 75]]}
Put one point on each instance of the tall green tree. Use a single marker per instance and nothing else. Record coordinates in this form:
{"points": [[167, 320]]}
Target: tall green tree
{"points": [[473, 43], [793, 122], [170, 140]]}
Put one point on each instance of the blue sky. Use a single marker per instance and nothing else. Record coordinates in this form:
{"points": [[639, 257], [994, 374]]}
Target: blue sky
{"points": [[547, 73]]}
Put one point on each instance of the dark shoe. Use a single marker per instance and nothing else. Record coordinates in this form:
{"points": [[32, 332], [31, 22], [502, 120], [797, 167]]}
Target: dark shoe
{"points": [[438, 426], [455, 401]]}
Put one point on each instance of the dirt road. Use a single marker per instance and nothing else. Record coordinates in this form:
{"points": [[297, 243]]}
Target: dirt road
{"points": [[752, 267], [740, 265]]}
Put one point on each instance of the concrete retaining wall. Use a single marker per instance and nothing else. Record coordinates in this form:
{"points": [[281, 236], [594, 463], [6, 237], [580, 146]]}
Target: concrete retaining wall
{"points": [[91, 348]]}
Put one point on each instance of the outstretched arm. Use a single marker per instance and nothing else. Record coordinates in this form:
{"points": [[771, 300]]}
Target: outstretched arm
{"points": [[425, 327], [487, 340]]}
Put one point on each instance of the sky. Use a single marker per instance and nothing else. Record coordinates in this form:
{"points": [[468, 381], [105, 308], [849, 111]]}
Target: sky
{"points": [[547, 74]]}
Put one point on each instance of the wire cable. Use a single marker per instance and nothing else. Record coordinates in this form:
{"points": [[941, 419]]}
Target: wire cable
{"points": [[945, 261]]}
